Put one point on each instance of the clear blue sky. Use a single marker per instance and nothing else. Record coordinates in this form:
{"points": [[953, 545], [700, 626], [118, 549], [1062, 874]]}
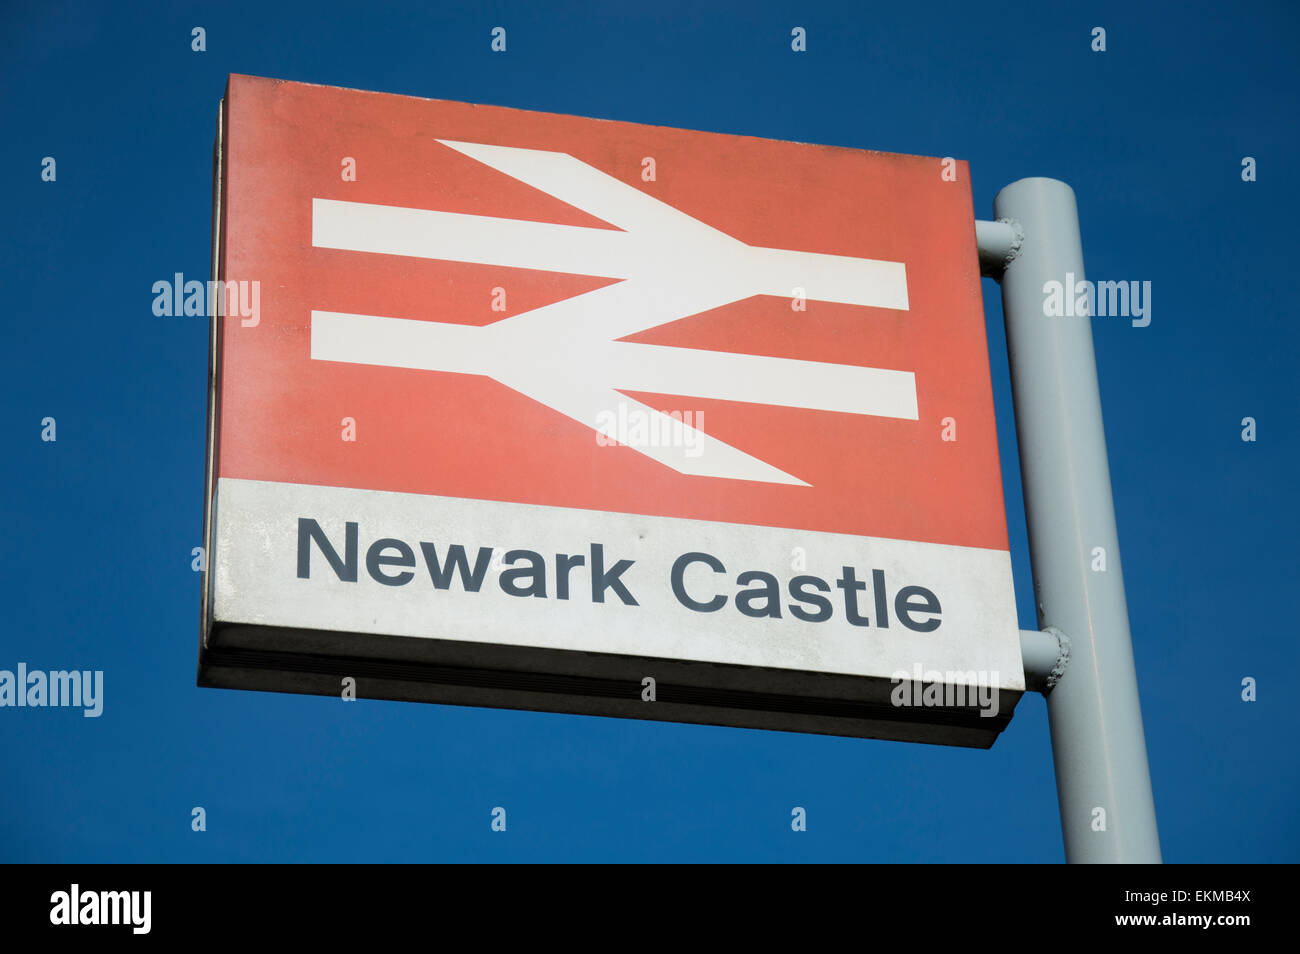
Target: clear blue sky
{"points": [[95, 549]]}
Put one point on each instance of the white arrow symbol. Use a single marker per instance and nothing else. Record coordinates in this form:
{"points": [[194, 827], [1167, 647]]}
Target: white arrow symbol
{"points": [[566, 355]]}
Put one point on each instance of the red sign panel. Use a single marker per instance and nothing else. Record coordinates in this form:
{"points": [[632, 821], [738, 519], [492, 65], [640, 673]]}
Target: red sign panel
{"points": [[544, 309]]}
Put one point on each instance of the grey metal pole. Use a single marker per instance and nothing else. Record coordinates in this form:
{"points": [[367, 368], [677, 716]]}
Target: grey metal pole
{"points": [[1102, 779]]}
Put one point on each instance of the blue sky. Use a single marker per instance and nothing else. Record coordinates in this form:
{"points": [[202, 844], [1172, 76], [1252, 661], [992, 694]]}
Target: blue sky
{"points": [[98, 526]]}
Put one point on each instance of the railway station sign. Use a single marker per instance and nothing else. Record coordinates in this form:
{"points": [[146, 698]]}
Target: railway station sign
{"points": [[565, 414]]}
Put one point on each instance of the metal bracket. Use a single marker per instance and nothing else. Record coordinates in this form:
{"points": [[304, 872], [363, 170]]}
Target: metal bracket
{"points": [[999, 243], [1046, 654]]}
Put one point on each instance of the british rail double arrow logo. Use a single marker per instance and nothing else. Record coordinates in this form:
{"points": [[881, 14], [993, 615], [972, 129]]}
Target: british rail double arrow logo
{"points": [[567, 355]]}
